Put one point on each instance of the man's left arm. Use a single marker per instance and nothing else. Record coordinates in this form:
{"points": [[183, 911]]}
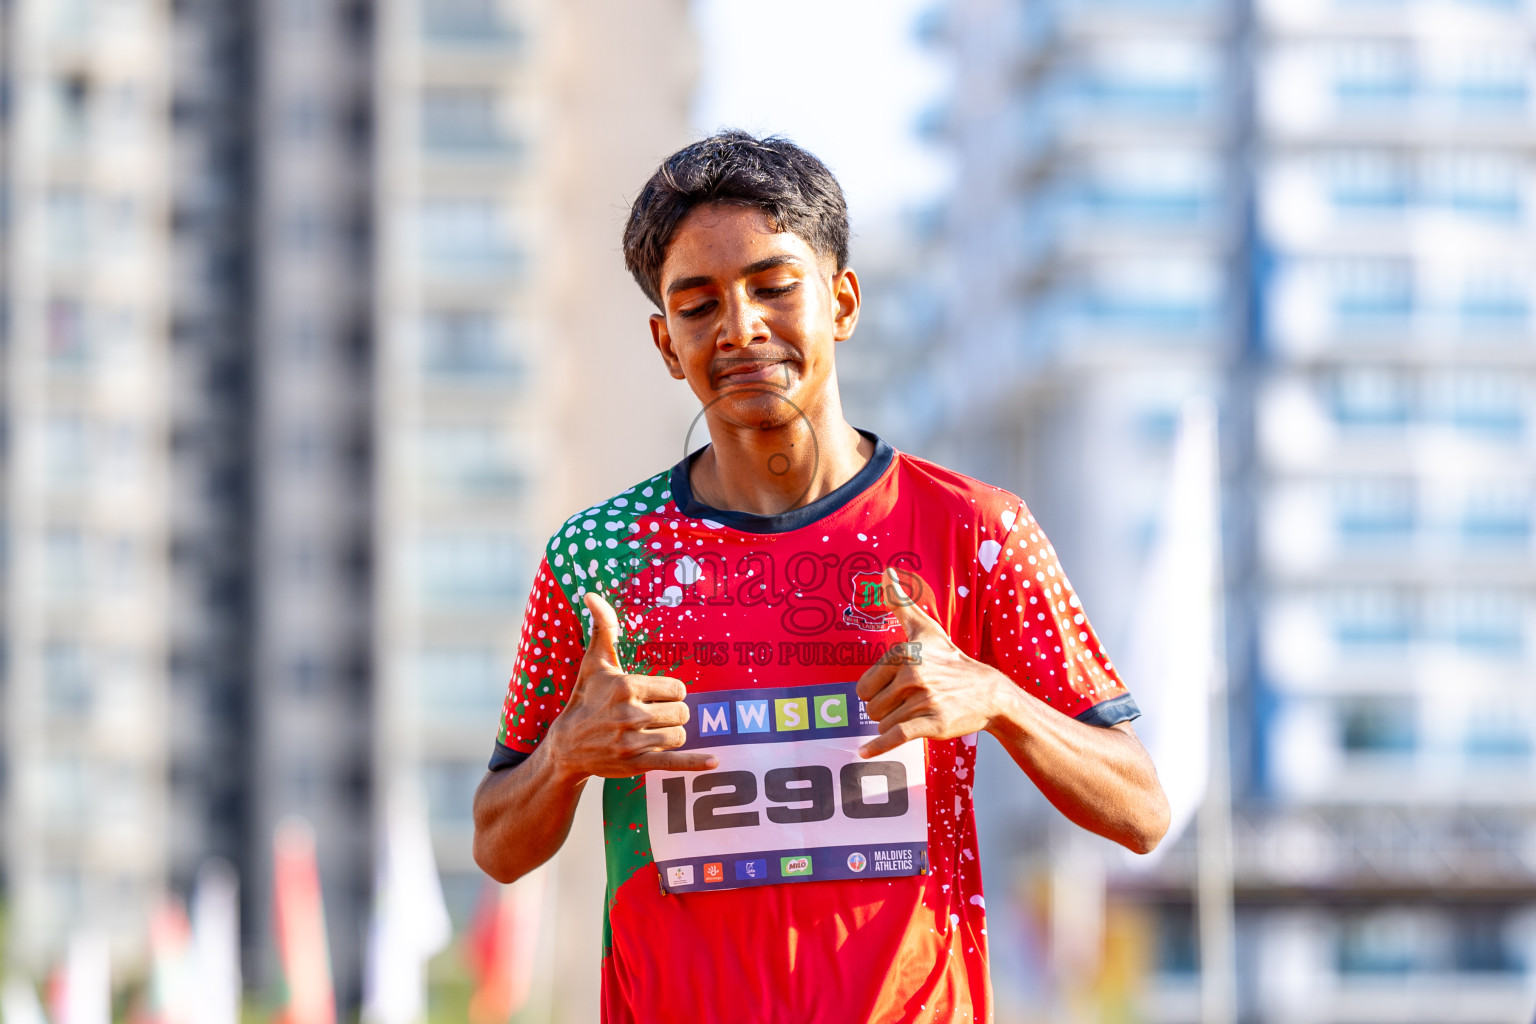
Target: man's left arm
{"points": [[1100, 777]]}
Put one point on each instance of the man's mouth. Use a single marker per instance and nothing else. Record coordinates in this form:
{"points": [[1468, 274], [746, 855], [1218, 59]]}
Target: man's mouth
{"points": [[731, 372]]}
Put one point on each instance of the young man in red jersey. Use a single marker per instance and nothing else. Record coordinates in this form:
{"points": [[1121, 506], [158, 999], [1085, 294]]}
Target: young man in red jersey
{"points": [[778, 654]]}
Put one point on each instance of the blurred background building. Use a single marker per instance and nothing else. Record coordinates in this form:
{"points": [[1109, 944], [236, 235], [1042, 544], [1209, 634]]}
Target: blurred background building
{"points": [[1320, 215], [306, 306]]}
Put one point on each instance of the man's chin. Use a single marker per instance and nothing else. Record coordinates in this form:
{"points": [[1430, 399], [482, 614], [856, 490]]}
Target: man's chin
{"points": [[759, 406]]}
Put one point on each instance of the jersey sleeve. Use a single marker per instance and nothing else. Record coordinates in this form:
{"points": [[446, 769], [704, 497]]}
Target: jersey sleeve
{"points": [[1034, 629], [548, 653]]}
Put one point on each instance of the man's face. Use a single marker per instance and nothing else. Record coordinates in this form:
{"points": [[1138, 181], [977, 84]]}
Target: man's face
{"points": [[751, 316]]}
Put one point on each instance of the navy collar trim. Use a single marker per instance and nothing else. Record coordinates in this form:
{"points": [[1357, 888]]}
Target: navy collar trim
{"points": [[794, 519]]}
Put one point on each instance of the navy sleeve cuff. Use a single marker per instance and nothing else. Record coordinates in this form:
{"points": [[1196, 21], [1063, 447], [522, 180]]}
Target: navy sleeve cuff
{"points": [[1111, 712], [505, 757]]}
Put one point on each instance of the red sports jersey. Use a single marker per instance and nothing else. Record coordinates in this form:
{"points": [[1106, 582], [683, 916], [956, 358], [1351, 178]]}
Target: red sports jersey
{"points": [[778, 894]]}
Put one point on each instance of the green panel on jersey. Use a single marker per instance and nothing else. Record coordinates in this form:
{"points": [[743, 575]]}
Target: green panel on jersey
{"points": [[603, 549], [627, 842]]}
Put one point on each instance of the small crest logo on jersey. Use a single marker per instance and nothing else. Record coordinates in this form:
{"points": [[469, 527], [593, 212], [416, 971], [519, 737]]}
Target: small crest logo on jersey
{"points": [[789, 866], [866, 607], [680, 875], [856, 862], [714, 872]]}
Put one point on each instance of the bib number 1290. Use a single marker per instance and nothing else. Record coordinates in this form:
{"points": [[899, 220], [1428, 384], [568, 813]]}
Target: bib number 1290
{"points": [[802, 794]]}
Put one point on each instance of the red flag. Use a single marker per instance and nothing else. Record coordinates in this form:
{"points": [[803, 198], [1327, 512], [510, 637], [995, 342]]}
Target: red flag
{"points": [[173, 972], [301, 942], [500, 947]]}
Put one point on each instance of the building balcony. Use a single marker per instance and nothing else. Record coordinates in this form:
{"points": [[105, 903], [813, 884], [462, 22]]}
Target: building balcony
{"points": [[1400, 308], [470, 27], [1441, 94], [1049, 25], [1412, 19], [1345, 421], [1398, 644], [1059, 228]]}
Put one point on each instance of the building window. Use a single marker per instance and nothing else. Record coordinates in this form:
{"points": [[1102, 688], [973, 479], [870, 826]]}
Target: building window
{"points": [[68, 680], [467, 344], [1372, 295], [1370, 76], [465, 234], [1374, 510], [1393, 942], [1482, 402], [1497, 735], [1147, 79], [1487, 186], [472, 568], [68, 334], [1167, 299], [1379, 727], [450, 791], [69, 214], [1493, 82], [1497, 515], [1370, 397], [1483, 622], [306, 673], [461, 682], [463, 120], [1368, 182], [1369, 620], [474, 460], [463, 22], [66, 560]]}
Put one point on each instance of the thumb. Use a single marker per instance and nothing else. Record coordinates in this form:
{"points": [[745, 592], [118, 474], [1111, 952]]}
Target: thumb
{"points": [[603, 646], [918, 624]]}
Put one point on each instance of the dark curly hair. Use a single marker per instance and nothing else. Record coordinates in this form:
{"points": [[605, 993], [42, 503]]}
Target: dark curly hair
{"points": [[788, 183]]}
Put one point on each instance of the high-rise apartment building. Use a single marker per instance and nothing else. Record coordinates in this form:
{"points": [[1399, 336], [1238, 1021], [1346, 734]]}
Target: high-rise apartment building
{"points": [[1320, 214], [307, 305], [87, 303]]}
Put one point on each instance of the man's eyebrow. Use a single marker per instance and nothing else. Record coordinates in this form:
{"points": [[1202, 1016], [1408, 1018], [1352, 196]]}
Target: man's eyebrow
{"points": [[682, 284], [769, 263]]}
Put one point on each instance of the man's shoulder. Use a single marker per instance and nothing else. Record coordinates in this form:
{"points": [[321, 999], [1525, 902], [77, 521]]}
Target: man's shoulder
{"points": [[609, 525], [928, 482]]}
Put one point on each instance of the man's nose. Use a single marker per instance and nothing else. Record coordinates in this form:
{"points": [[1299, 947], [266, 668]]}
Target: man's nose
{"points": [[743, 323]]}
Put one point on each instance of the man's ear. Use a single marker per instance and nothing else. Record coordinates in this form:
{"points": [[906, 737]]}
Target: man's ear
{"points": [[663, 342], [845, 304]]}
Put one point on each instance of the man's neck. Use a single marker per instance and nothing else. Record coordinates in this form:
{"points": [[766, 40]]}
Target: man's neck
{"points": [[770, 472]]}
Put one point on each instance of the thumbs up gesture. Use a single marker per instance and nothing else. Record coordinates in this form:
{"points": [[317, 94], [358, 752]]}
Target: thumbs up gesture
{"points": [[939, 694], [616, 725]]}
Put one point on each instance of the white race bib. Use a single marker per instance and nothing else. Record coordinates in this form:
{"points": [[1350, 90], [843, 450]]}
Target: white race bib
{"points": [[791, 801]]}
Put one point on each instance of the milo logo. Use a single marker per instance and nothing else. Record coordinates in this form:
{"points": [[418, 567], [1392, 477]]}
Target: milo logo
{"points": [[794, 866]]}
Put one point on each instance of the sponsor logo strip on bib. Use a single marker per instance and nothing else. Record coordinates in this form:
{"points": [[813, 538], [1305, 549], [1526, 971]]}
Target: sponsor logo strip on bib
{"points": [[791, 800]]}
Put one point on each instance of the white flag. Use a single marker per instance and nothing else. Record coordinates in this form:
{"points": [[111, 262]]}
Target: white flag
{"points": [[19, 1005], [410, 918], [87, 994], [1171, 663], [216, 943]]}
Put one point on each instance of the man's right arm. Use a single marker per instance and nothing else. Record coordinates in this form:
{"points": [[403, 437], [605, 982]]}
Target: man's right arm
{"points": [[614, 725], [523, 814]]}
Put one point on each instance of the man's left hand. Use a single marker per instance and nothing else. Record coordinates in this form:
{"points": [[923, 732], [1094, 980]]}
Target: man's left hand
{"points": [[940, 694]]}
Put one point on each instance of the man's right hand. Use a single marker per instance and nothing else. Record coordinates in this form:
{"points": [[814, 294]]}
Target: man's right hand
{"points": [[617, 725]]}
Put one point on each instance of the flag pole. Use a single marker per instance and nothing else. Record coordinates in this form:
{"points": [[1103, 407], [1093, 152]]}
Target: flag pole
{"points": [[1214, 897]]}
